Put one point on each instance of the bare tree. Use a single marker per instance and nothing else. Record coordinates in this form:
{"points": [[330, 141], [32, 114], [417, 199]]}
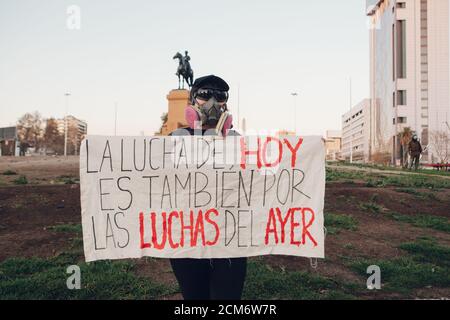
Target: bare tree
{"points": [[439, 142], [381, 155]]}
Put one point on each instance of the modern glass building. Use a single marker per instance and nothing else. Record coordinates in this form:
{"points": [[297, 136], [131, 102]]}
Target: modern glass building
{"points": [[409, 74]]}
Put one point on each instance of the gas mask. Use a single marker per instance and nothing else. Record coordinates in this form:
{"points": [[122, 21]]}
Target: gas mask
{"points": [[211, 112]]}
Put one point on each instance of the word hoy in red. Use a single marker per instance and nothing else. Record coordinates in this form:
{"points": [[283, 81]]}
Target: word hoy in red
{"points": [[261, 152], [277, 224]]}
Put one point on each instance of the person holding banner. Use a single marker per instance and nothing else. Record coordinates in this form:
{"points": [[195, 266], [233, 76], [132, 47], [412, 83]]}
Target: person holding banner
{"points": [[209, 279]]}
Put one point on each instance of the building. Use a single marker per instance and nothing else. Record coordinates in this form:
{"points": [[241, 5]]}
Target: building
{"points": [[333, 143], [9, 142], [356, 133], [77, 130], [72, 122], [409, 78]]}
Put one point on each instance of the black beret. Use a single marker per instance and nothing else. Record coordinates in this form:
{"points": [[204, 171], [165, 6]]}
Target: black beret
{"points": [[210, 82]]}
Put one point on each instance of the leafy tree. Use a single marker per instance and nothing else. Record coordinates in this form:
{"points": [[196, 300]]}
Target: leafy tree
{"points": [[29, 129], [53, 139], [405, 138]]}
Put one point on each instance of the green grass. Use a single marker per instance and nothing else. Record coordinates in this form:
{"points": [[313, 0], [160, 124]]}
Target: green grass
{"points": [[339, 175], [265, 283], [72, 228], [21, 180], [66, 179], [9, 173], [37, 278], [376, 183], [349, 246], [427, 265], [336, 222], [428, 251], [382, 180], [371, 206], [424, 221], [391, 168], [411, 191], [418, 181], [419, 194]]}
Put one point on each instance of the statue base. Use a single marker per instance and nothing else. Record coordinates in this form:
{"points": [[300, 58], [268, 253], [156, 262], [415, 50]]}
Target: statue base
{"points": [[178, 100]]}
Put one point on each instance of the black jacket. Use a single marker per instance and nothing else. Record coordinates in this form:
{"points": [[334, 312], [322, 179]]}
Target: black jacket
{"points": [[414, 147]]}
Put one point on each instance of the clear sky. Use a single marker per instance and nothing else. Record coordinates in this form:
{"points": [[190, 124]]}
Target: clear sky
{"points": [[123, 52]]}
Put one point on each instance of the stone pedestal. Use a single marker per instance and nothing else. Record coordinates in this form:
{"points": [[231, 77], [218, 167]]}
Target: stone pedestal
{"points": [[178, 100]]}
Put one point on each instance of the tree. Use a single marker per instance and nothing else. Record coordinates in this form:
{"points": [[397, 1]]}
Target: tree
{"points": [[164, 118], [439, 141], [73, 139], [405, 139], [29, 129], [53, 139]]}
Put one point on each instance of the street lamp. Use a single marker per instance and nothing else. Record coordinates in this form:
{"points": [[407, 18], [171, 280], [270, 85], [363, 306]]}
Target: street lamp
{"points": [[295, 94], [65, 124]]}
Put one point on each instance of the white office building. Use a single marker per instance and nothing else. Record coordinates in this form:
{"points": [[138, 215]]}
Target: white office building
{"points": [[409, 50], [356, 133], [76, 131]]}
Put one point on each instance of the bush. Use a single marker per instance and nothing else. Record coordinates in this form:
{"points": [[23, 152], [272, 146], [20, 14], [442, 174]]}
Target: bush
{"points": [[21, 180]]}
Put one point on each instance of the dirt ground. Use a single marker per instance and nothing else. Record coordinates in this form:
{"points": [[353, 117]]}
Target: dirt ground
{"points": [[27, 211]]}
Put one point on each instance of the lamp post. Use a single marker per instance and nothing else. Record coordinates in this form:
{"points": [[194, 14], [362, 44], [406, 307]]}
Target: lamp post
{"points": [[65, 124], [295, 94]]}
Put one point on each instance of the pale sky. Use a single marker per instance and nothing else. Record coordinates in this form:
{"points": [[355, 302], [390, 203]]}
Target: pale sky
{"points": [[123, 53]]}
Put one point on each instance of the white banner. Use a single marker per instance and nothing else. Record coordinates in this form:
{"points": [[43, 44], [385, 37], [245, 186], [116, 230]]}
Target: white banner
{"points": [[202, 196]]}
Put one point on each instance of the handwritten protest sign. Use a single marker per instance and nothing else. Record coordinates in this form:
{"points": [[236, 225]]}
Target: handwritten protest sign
{"points": [[202, 196]]}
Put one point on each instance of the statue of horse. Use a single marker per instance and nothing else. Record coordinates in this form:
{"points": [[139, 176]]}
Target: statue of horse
{"points": [[184, 70]]}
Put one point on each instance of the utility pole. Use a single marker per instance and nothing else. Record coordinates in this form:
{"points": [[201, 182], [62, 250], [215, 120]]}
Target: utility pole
{"points": [[65, 123]]}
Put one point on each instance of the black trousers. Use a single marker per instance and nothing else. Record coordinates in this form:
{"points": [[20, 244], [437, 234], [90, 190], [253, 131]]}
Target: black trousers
{"points": [[210, 279], [415, 161]]}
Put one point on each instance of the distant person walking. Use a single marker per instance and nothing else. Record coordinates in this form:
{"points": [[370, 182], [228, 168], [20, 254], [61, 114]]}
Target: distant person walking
{"points": [[415, 150]]}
